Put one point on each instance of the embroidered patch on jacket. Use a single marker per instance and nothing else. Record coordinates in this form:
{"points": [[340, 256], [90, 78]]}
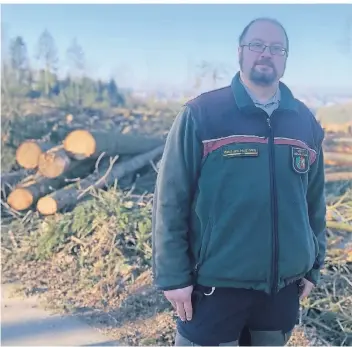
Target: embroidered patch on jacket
{"points": [[240, 152], [300, 159]]}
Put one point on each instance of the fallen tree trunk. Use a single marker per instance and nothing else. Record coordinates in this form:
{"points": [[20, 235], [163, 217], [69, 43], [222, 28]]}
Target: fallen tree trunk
{"points": [[30, 191], [339, 164], [11, 179], [338, 158], [337, 147], [23, 196], [146, 183], [68, 196], [28, 152], [338, 176], [339, 226], [342, 139], [82, 144]]}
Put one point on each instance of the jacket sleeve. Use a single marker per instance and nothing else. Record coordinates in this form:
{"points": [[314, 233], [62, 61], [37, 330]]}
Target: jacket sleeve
{"points": [[317, 212], [173, 195]]}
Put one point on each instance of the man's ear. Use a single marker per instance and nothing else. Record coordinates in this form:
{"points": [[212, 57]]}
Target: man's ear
{"points": [[239, 52]]}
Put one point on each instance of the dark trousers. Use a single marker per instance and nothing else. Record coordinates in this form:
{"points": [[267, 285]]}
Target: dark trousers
{"points": [[248, 316], [245, 337]]}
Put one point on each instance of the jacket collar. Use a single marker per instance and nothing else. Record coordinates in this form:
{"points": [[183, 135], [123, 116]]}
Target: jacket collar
{"points": [[246, 104]]}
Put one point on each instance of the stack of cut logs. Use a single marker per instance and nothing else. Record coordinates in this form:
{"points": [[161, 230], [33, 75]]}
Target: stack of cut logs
{"points": [[54, 177], [338, 158]]}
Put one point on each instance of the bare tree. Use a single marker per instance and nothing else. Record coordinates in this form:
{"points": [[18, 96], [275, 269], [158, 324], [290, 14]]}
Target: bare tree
{"points": [[76, 58], [19, 60], [76, 63], [4, 60], [213, 72], [48, 56], [10, 105]]}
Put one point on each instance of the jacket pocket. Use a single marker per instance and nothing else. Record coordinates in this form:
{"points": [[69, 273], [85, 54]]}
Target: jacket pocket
{"points": [[316, 245], [292, 279], [204, 243]]}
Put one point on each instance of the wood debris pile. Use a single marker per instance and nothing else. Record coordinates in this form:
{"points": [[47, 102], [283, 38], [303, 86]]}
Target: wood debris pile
{"points": [[96, 258], [54, 176], [338, 158]]}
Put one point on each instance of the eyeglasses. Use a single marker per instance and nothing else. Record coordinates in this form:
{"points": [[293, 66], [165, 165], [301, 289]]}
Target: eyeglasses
{"points": [[260, 47]]}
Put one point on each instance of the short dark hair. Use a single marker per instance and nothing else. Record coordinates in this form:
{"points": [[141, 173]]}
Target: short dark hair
{"points": [[266, 19]]}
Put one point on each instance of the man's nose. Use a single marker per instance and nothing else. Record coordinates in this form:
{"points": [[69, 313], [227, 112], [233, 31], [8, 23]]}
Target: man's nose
{"points": [[266, 53]]}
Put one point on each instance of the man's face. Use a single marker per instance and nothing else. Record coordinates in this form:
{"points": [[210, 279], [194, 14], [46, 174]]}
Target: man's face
{"points": [[264, 68]]}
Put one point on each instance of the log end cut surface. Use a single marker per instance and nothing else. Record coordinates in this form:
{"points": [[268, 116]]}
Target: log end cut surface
{"points": [[47, 206], [20, 199], [27, 154], [52, 165], [80, 143]]}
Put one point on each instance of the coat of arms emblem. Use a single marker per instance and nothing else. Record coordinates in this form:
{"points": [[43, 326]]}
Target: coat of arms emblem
{"points": [[300, 159]]}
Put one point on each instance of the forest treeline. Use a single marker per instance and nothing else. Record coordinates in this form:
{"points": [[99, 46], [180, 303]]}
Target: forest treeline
{"points": [[39, 76]]}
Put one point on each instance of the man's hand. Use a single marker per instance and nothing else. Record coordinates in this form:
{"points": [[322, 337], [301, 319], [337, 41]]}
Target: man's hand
{"points": [[181, 301], [307, 288]]}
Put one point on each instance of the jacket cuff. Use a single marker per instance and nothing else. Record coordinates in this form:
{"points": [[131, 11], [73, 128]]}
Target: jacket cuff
{"points": [[313, 276], [188, 283]]}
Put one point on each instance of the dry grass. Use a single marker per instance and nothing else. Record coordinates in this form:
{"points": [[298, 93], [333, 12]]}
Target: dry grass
{"points": [[95, 262]]}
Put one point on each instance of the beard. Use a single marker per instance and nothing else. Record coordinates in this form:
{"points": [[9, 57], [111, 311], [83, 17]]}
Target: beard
{"points": [[262, 77]]}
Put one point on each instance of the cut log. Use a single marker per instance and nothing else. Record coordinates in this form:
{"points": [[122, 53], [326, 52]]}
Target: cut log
{"points": [[339, 226], [54, 162], [11, 179], [31, 190], [342, 139], [68, 196], [340, 149], [23, 196], [146, 183], [28, 152], [338, 159], [81, 144], [338, 176]]}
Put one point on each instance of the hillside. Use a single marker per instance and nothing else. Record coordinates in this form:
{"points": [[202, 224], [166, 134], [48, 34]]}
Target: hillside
{"points": [[335, 114]]}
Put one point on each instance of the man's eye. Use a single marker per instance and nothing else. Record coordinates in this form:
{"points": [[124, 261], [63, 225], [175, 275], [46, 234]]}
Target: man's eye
{"points": [[277, 49]]}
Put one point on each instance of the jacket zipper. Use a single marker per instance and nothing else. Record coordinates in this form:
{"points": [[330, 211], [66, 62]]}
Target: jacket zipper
{"points": [[273, 213], [273, 208]]}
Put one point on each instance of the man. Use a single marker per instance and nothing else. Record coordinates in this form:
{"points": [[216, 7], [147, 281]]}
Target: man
{"points": [[239, 206]]}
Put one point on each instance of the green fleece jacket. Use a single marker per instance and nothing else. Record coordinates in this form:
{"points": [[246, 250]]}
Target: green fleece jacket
{"points": [[239, 198]]}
